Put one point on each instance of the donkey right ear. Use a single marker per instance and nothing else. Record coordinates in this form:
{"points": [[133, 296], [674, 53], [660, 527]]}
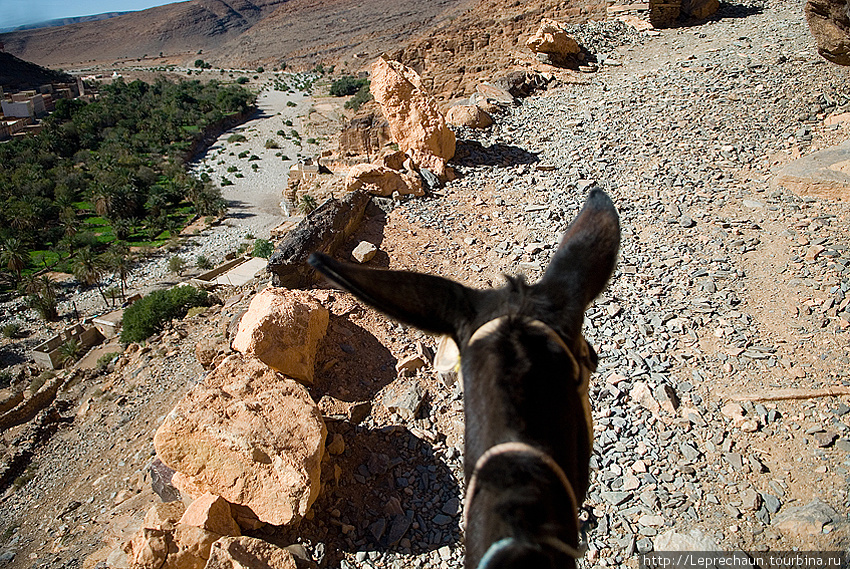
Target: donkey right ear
{"points": [[428, 302]]}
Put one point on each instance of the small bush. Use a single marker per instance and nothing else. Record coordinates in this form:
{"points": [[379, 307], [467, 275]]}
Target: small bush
{"points": [[243, 154], [242, 80], [226, 182], [253, 157], [262, 248], [5, 379], [149, 315], [104, 360], [362, 96], [290, 104], [11, 330], [203, 263], [272, 144], [231, 169], [176, 264], [69, 352], [236, 138]]}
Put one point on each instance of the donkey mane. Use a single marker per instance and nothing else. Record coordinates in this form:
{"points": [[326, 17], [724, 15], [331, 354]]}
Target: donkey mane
{"points": [[526, 368]]}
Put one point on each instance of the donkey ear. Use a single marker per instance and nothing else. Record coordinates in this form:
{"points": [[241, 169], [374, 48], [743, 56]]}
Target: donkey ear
{"points": [[431, 303], [587, 254]]}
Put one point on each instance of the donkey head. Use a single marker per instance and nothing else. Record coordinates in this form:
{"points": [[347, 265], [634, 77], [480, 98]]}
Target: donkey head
{"points": [[525, 366]]}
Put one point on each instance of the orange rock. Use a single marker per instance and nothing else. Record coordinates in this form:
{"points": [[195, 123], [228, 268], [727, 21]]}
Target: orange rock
{"points": [[415, 123], [212, 513], [469, 116], [248, 553], [382, 181], [283, 328], [164, 516], [249, 435]]}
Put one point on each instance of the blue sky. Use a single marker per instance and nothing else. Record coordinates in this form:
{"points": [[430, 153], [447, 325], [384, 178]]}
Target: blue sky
{"points": [[19, 12]]}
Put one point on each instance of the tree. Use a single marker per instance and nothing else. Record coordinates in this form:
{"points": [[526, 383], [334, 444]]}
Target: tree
{"points": [[41, 296], [14, 256], [88, 269], [119, 262], [176, 265]]}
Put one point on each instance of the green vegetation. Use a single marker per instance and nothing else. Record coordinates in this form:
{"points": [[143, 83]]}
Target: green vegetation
{"points": [[306, 204], [262, 248], [103, 361], [149, 315], [177, 265], [271, 143], [242, 80], [69, 352], [236, 138], [11, 330], [363, 95], [203, 263], [5, 378], [109, 170], [347, 86]]}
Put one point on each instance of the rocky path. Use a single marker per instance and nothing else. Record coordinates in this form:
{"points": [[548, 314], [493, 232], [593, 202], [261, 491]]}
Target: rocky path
{"points": [[727, 285]]}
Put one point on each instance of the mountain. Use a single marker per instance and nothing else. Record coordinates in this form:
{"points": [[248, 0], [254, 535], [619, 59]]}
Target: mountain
{"points": [[238, 33], [16, 74], [65, 22]]}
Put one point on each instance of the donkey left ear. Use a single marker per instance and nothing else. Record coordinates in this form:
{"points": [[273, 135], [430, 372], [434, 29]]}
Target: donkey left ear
{"points": [[431, 303], [586, 256]]}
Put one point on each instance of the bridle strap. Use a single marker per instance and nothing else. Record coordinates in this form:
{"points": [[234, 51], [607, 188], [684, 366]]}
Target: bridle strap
{"points": [[517, 447]]}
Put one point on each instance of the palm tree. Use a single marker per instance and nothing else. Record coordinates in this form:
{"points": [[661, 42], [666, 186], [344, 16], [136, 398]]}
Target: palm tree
{"points": [[41, 292], [14, 255], [88, 269], [119, 262]]}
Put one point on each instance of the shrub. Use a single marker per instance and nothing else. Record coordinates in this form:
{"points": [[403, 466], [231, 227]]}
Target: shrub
{"points": [[236, 138], [243, 154], [176, 264], [5, 379], [104, 360], [262, 248], [306, 204], [355, 102], [11, 330], [203, 262], [149, 315], [346, 86], [242, 80], [272, 144], [69, 352], [231, 169]]}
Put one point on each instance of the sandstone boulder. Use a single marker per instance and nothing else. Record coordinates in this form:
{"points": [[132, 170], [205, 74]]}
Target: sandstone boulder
{"points": [[364, 135], [829, 22], [248, 553], [249, 435], [553, 40], [382, 181], [469, 116], [164, 516], [147, 550], [415, 123], [212, 513], [283, 328]]}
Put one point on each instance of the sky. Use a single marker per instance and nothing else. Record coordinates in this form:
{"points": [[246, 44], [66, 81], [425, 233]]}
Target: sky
{"points": [[15, 13]]}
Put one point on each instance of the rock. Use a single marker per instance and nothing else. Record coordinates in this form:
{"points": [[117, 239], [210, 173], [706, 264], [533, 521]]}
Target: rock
{"points": [[695, 540], [364, 136], [193, 546], [404, 398], [491, 92], [470, 116], [824, 439], [161, 481], [771, 502], [666, 397], [283, 328], [615, 498], [641, 394], [664, 13], [824, 174], [248, 553], [164, 516], [553, 40], [148, 550], [249, 435], [699, 9], [409, 365], [520, 84], [382, 181], [750, 499], [733, 411], [207, 349], [212, 513], [394, 160], [414, 121], [829, 22], [364, 252], [801, 522], [324, 230]]}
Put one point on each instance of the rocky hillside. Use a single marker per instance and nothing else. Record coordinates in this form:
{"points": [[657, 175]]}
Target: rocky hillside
{"points": [[16, 74], [236, 33]]}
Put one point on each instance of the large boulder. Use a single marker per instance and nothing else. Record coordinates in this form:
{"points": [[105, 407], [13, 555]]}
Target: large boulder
{"points": [[552, 39], [249, 435], [380, 180], [415, 124], [829, 22], [248, 553], [283, 328], [699, 9], [470, 116]]}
